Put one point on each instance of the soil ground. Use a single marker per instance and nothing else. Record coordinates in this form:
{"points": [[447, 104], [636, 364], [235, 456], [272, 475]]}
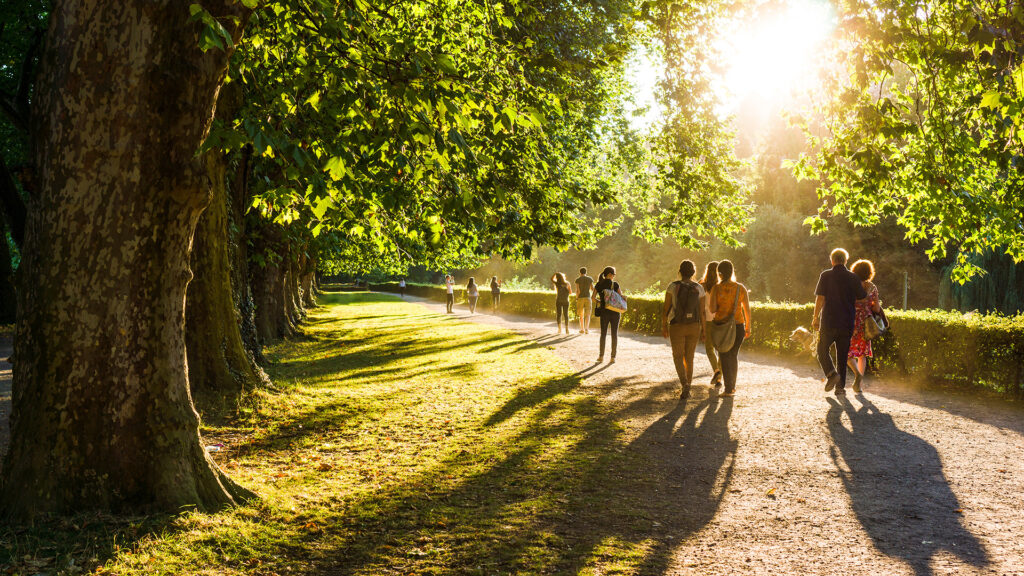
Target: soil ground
{"points": [[786, 479], [5, 396]]}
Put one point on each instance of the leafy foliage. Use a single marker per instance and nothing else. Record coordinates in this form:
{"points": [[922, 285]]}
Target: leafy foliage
{"points": [[924, 124]]}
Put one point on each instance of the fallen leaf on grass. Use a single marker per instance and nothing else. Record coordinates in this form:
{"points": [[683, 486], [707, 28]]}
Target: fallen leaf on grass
{"points": [[324, 467]]}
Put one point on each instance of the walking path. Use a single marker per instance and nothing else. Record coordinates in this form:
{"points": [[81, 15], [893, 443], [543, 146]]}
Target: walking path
{"points": [[5, 398], [785, 479]]}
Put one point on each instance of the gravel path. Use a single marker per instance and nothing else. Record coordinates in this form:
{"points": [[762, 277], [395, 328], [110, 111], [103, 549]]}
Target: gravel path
{"points": [[785, 479]]}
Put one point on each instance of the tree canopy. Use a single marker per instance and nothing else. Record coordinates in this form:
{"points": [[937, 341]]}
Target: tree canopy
{"points": [[923, 124]]}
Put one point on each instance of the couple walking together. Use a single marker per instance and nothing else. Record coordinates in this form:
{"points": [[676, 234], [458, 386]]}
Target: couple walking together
{"points": [[846, 301], [715, 311]]}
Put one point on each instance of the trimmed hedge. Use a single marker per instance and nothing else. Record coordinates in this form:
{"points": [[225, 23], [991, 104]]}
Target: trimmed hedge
{"points": [[938, 346]]}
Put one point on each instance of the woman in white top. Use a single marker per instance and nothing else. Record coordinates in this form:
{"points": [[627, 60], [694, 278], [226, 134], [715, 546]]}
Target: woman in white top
{"points": [[472, 295]]}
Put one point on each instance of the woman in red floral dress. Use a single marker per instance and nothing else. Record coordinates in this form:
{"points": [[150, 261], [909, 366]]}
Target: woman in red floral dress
{"points": [[860, 347]]}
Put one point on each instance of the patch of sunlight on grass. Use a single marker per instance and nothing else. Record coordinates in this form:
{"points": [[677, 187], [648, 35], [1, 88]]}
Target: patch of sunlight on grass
{"points": [[407, 442]]}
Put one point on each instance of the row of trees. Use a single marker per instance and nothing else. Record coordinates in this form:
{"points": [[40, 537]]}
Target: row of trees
{"points": [[174, 174], [177, 173]]}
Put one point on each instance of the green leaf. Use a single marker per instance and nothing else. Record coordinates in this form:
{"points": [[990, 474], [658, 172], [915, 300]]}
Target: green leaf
{"points": [[336, 166]]}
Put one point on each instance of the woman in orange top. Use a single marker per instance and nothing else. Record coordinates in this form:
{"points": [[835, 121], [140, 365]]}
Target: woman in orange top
{"points": [[729, 298]]}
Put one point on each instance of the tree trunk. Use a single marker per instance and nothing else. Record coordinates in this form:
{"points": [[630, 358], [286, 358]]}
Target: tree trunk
{"points": [[241, 287], [219, 368], [308, 290], [268, 285], [293, 299], [103, 417], [8, 296]]}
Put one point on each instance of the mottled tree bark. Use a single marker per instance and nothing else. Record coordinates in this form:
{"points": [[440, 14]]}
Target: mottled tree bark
{"points": [[219, 367], [269, 285], [308, 290], [103, 417], [238, 241]]}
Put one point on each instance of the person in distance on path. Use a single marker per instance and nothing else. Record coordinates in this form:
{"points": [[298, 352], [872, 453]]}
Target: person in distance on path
{"points": [[682, 321], [449, 284], [472, 295], [562, 292], [584, 286], [495, 294], [835, 309], [401, 287]]}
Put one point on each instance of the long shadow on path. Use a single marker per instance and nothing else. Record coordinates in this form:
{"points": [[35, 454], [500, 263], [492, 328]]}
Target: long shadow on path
{"points": [[897, 488]]}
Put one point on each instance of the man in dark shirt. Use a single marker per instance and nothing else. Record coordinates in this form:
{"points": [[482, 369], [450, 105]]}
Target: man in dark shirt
{"points": [[584, 284], [834, 312]]}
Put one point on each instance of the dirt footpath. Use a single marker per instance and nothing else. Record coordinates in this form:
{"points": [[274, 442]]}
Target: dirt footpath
{"points": [[5, 397], [785, 479]]}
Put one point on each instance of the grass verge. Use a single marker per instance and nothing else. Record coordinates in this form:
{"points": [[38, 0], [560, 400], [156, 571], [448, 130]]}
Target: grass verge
{"points": [[404, 442]]}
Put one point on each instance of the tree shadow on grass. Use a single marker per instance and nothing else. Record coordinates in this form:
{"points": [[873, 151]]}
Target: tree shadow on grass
{"points": [[897, 488], [75, 544], [597, 500]]}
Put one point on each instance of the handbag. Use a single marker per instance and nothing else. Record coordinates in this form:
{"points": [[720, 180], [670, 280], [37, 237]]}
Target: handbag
{"points": [[875, 325], [723, 332], [614, 301]]}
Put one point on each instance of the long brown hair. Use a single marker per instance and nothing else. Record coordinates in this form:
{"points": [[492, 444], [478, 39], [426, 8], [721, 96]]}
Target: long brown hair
{"points": [[560, 279], [710, 278]]}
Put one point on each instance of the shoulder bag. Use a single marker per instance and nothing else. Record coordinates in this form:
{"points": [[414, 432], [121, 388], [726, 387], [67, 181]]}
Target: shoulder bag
{"points": [[723, 332]]}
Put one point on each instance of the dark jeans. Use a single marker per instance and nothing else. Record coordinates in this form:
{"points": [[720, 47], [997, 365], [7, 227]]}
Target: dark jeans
{"points": [[495, 300], [841, 338], [730, 360], [609, 318], [562, 311], [450, 301]]}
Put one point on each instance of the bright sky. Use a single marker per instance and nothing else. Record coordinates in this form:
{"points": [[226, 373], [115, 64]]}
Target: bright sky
{"points": [[770, 57]]}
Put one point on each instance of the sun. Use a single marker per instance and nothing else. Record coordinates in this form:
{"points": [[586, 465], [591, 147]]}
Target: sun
{"points": [[776, 53]]}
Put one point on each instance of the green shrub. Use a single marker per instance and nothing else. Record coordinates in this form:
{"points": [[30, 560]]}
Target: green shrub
{"points": [[948, 347]]}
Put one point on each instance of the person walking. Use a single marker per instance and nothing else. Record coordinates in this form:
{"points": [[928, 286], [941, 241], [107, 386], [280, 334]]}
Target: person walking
{"points": [[562, 291], [709, 281], [609, 318], [730, 302], [401, 287], [495, 294], [584, 286], [860, 346], [472, 295], [835, 310], [682, 321], [449, 284]]}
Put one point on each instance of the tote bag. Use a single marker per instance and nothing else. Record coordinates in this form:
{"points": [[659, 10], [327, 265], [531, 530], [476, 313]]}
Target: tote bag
{"points": [[875, 325], [614, 301], [723, 332]]}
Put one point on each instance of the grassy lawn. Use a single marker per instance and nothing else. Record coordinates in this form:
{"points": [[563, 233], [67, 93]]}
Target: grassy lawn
{"points": [[402, 442]]}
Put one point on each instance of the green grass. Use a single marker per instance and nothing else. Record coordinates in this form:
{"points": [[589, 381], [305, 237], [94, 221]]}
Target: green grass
{"points": [[403, 442]]}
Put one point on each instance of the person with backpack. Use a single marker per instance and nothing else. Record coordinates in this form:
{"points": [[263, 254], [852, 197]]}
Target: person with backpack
{"points": [[609, 308], [682, 322], [730, 304], [562, 292]]}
